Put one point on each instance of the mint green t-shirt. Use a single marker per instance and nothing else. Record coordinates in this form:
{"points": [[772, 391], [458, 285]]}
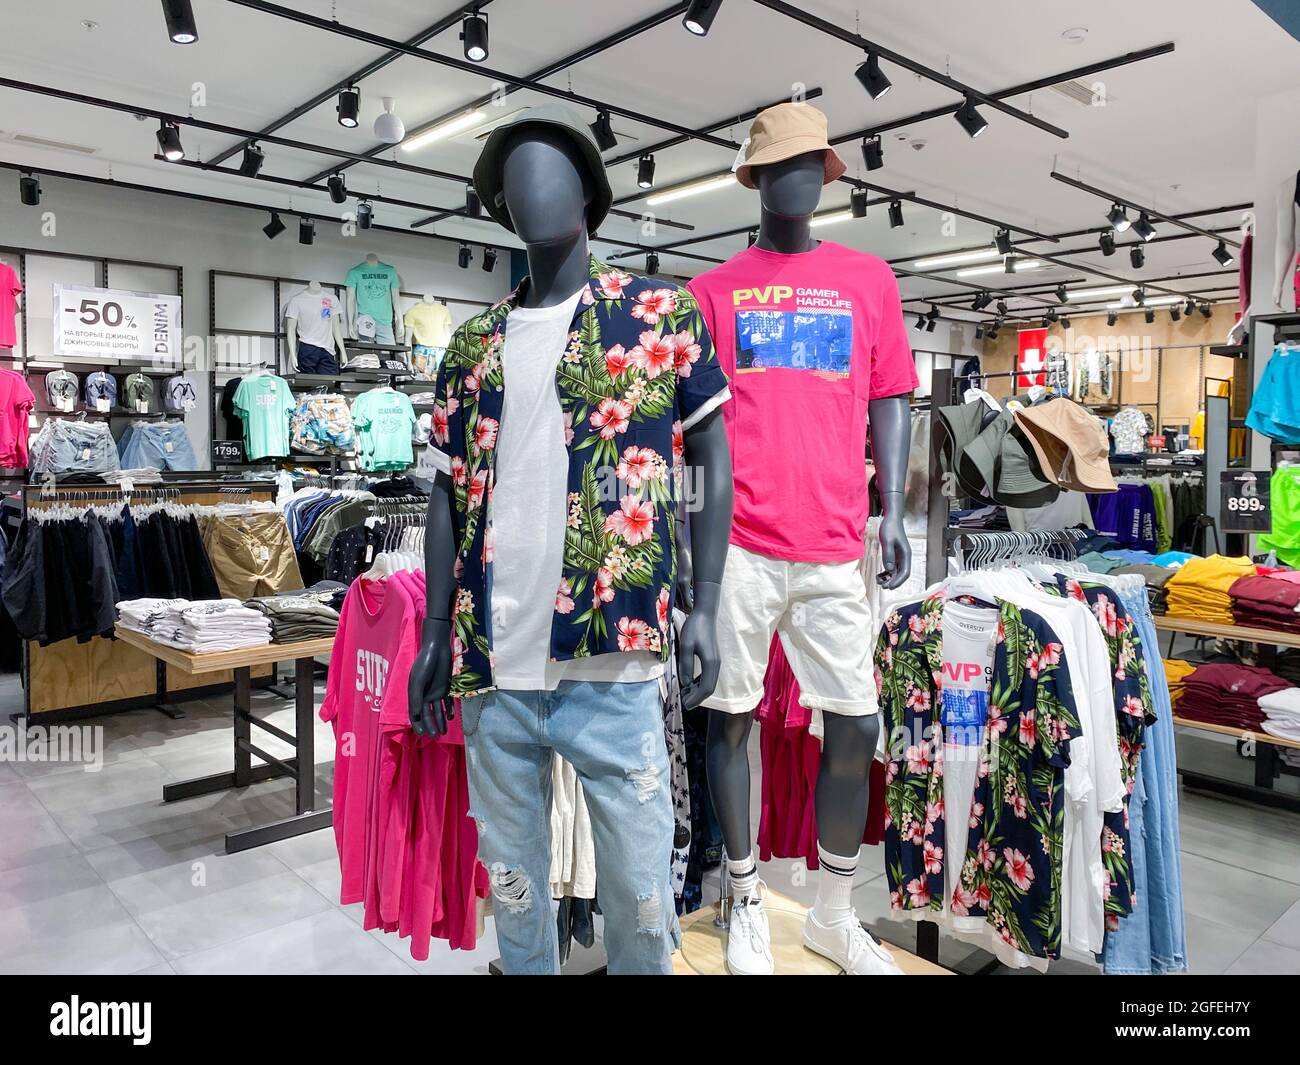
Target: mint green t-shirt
{"points": [[264, 403], [385, 422], [374, 286]]}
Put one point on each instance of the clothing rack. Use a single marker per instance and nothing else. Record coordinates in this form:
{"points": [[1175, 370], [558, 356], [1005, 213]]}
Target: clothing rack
{"points": [[976, 549]]}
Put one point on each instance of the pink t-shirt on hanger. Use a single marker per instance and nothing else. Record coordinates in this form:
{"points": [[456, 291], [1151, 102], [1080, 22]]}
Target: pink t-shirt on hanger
{"points": [[807, 341], [10, 289]]}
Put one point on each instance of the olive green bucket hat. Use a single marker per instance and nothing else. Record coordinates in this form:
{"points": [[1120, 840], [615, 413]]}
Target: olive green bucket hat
{"points": [[1003, 461], [487, 171]]}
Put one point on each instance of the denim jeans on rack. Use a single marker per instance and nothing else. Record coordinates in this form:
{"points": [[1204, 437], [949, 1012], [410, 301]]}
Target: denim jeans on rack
{"points": [[1152, 940]]}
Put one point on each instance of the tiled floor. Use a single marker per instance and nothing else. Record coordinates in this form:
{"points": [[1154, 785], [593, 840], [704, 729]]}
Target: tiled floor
{"points": [[98, 876]]}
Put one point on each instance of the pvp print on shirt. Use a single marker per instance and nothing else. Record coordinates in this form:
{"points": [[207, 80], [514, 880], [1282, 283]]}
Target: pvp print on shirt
{"points": [[784, 328]]}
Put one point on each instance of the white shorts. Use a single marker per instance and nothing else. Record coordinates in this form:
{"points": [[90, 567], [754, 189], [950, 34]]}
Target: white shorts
{"points": [[824, 619]]}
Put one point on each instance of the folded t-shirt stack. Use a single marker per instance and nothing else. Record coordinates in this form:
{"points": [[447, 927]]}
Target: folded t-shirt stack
{"points": [[1266, 603], [1282, 713], [296, 617], [1199, 588], [1223, 693], [199, 626], [1176, 671]]}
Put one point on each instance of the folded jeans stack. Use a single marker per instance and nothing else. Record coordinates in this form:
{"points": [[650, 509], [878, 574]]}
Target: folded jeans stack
{"points": [[164, 445], [1282, 713], [1200, 588], [296, 617], [1266, 603], [199, 627], [1222, 693]]}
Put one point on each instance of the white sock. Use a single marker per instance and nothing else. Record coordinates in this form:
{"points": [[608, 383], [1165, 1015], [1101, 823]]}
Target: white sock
{"points": [[743, 876], [834, 887]]}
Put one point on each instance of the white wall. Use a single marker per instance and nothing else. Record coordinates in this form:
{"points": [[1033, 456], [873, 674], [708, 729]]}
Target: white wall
{"points": [[198, 237]]}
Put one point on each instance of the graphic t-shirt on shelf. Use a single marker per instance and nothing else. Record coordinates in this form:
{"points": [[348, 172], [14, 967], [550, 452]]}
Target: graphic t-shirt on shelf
{"points": [[807, 341], [10, 289], [374, 287], [314, 313], [264, 403], [385, 423]]}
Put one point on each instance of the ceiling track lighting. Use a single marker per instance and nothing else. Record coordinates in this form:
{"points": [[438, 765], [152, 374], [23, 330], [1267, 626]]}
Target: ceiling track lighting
{"points": [[1065, 321], [872, 77], [920, 321], [1222, 256], [464, 256], [930, 324], [1002, 241], [338, 187], [1143, 227], [1118, 218], [645, 172], [1062, 294], [873, 152], [1008, 265], [306, 230], [1206, 312], [169, 142], [1175, 313], [388, 128], [489, 260], [700, 15], [1106, 241], [365, 214], [1139, 296], [652, 263], [895, 214], [1111, 318], [274, 227], [29, 190], [858, 203], [251, 164], [474, 36], [181, 27], [473, 205], [1189, 308], [979, 332], [1002, 308], [603, 130], [348, 107], [969, 118], [1137, 257], [1149, 316]]}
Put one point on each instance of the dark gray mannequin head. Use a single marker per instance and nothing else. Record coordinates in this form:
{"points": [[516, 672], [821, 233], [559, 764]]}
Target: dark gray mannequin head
{"points": [[546, 185], [792, 187]]}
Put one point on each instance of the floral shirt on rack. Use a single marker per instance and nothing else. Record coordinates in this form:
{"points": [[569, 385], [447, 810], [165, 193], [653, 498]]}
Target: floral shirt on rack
{"points": [[1011, 871], [638, 370]]}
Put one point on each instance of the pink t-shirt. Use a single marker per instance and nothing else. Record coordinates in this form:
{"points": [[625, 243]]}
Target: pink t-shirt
{"points": [[806, 341], [16, 402], [10, 287]]}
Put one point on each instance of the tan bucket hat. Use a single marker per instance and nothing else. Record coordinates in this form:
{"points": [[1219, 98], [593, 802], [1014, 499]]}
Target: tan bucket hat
{"points": [[1070, 444], [784, 131]]}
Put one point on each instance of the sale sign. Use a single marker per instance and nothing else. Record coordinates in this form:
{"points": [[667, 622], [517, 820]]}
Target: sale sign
{"points": [[115, 324], [1031, 362]]}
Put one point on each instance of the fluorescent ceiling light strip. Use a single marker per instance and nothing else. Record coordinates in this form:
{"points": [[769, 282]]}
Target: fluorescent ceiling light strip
{"points": [[450, 128], [718, 181], [1151, 301], [1094, 293], [957, 259], [830, 219], [1021, 265]]}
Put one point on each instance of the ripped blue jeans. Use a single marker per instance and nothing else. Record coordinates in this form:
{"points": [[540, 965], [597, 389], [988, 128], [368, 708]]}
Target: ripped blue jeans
{"points": [[613, 736]]}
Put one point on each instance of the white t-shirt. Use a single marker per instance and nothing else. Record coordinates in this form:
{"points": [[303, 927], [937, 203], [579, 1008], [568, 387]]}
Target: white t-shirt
{"points": [[528, 512], [314, 312]]}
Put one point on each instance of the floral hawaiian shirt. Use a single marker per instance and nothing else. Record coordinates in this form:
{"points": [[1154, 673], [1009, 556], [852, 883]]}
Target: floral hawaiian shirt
{"points": [[638, 369], [1010, 874]]}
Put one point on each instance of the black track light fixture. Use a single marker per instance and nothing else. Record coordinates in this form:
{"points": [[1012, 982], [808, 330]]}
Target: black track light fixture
{"points": [[1206, 311], [489, 260], [1149, 316], [979, 332], [645, 172], [181, 27], [1052, 315], [1189, 308], [969, 118], [1065, 321], [1118, 218], [992, 334], [365, 214], [920, 321], [1222, 256], [1002, 241], [29, 190], [652, 263], [473, 205], [1106, 241], [1143, 227], [1111, 318], [1175, 313], [873, 152], [169, 142], [306, 230], [895, 214], [464, 257], [1002, 308], [274, 227], [872, 77], [1062, 294], [858, 203], [1139, 295], [348, 107], [603, 130], [1137, 257], [251, 163], [474, 36], [700, 15], [930, 323], [1009, 264], [338, 187], [932, 313]]}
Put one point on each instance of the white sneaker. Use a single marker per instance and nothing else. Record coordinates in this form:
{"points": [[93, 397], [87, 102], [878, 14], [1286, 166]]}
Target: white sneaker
{"points": [[749, 943], [850, 947]]}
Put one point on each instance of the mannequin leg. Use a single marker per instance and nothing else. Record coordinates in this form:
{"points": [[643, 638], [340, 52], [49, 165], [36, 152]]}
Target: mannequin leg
{"points": [[726, 755], [842, 783]]}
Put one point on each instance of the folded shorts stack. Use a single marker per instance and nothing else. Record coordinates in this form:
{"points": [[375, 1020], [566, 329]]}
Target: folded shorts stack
{"points": [[66, 446], [296, 617], [199, 627]]}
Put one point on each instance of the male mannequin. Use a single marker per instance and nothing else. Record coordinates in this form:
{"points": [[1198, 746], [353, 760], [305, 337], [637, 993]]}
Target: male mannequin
{"points": [[818, 336], [374, 278], [541, 176], [429, 325], [311, 318]]}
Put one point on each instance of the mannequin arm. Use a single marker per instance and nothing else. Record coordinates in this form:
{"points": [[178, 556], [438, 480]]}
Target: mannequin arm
{"points": [[339, 342], [399, 326], [291, 338], [891, 440], [428, 704], [708, 458], [350, 310]]}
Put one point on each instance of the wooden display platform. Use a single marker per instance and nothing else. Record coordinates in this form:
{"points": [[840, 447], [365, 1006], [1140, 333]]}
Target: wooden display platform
{"points": [[1237, 733], [218, 661], [1220, 631], [704, 945]]}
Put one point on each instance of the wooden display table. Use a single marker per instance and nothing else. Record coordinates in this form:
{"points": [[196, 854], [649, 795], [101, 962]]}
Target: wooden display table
{"points": [[302, 766], [704, 945], [1221, 631]]}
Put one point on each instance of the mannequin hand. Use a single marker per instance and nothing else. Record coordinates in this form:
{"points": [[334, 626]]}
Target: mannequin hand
{"points": [[895, 552], [699, 640], [428, 704]]}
